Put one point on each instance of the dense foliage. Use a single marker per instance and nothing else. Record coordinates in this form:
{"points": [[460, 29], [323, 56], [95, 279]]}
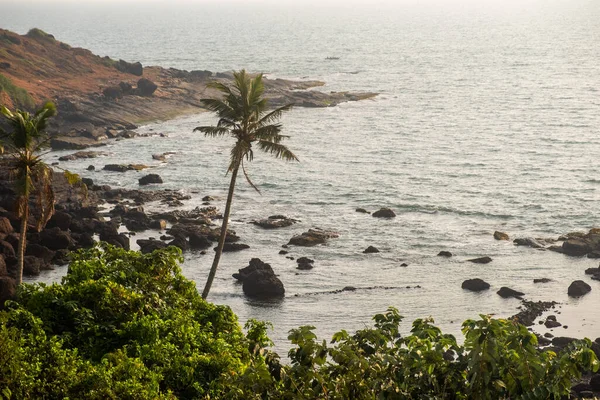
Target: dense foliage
{"points": [[123, 325]]}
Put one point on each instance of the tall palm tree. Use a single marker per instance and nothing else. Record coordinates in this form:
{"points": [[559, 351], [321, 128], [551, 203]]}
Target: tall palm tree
{"points": [[32, 175], [243, 114]]}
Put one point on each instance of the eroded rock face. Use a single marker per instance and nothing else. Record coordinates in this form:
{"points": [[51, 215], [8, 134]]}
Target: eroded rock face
{"points": [[475, 285], [384, 213], [578, 289], [312, 237]]}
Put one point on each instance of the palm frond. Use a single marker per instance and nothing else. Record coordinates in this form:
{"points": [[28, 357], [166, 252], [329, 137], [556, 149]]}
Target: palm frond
{"points": [[269, 133], [212, 131], [241, 150], [274, 115], [278, 150], [223, 109]]}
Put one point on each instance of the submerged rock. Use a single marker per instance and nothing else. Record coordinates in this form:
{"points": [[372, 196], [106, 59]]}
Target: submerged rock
{"points": [[312, 237], [371, 249], [531, 242], [444, 253], [506, 293], [275, 221], [384, 213], [481, 260]]}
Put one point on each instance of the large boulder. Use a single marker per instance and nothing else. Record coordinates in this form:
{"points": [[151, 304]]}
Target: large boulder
{"points": [[312, 237], [6, 249], [120, 240], [576, 247], [199, 242], [578, 289], [8, 290], [36, 250], [32, 265], [145, 87], [149, 179], [371, 249], [135, 68], [113, 92], [5, 226], [259, 280], [305, 263], [56, 239], [61, 220], [384, 213], [506, 292], [475, 285], [149, 245]]}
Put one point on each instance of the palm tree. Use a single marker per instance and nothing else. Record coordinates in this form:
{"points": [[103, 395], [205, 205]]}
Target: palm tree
{"points": [[32, 175], [243, 114]]}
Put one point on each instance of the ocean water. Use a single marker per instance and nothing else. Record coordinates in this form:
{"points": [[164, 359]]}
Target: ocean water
{"points": [[487, 118]]}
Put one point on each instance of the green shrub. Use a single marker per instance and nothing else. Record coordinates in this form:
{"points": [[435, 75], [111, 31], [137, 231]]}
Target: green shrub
{"points": [[19, 96], [39, 34]]}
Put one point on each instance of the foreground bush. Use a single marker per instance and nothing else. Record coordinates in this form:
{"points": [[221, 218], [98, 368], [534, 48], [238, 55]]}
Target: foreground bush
{"points": [[123, 325]]}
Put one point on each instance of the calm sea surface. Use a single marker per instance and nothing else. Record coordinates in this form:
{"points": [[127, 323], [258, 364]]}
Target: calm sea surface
{"points": [[488, 119]]}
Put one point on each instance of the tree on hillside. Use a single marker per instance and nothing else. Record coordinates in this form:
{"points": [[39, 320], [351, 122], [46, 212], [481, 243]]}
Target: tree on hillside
{"points": [[32, 175], [243, 114]]}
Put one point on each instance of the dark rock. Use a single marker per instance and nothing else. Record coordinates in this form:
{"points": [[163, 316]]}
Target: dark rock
{"points": [[501, 236], [531, 242], [576, 247], [6, 227], [255, 264], [595, 382], [73, 143], [581, 388], [404, 265], [126, 87], [145, 87], [348, 289], [3, 269], [548, 335], [542, 280], [4, 65], [36, 250], [198, 241], [506, 292], [304, 266], [305, 260], [113, 92], [562, 341], [127, 134], [578, 289], [149, 245], [592, 271], [121, 240], [475, 285], [84, 240], [61, 257], [275, 221], [150, 178], [180, 242], [207, 198], [384, 213], [130, 68], [32, 265], [56, 239], [137, 225], [312, 237], [362, 210], [81, 155], [261, 284], [481, 260], [158, 224], [8, 290], [283, 252], [587, 394], [60, 220], [542, 341], [371, 249], [594, 254], [229, 247], [552, 324], [444, 253], [124, 167], [6, 249]]}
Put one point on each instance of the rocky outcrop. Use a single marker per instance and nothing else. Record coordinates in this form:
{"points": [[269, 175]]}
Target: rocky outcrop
{"points": [[531, 242], [384, 213], [150, 179], [81, 155], [230, 247], [149, 245], [475, 285], [305, 263], [259, 280], [578, 289], [312, 237], [275, 221], [135, 68]]}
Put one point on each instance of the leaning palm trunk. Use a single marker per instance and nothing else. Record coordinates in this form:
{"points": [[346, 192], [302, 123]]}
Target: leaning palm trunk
{"points": [[222, 236], [22, 240]]}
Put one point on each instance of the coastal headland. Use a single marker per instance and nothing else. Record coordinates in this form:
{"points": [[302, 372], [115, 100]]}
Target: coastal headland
{"points": [[99, 98]]}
